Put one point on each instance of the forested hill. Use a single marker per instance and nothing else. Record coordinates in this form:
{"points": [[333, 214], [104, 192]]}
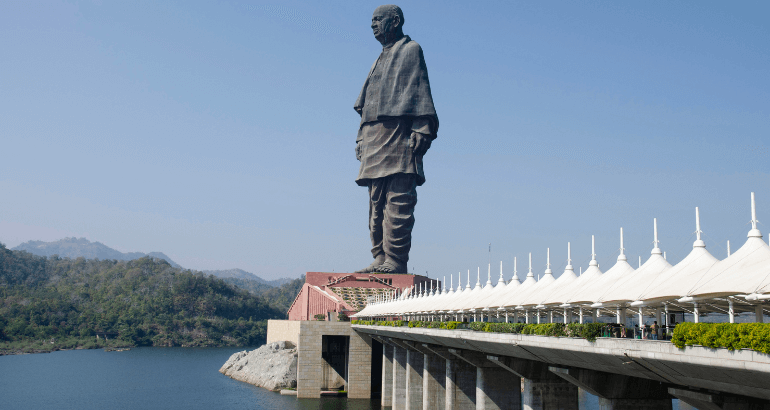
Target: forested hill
{"points": [[51, 303]]}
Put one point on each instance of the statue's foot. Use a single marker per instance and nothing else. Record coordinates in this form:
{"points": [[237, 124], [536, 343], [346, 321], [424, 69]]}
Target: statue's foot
{"points": [[391, 266], [373, 267]]}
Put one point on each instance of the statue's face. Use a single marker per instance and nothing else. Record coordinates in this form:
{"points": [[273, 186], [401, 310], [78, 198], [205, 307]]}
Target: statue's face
{"points": [[384, 24]]}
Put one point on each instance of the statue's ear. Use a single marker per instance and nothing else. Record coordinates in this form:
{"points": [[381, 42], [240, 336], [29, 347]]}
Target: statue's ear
{"points": [[398, 23]]}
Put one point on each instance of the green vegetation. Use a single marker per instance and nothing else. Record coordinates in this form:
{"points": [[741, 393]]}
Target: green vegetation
{"points": [[320, 317], [280, 297], [60, 303], [393, 323], [732, 336], [588, 331], [434, 325]]}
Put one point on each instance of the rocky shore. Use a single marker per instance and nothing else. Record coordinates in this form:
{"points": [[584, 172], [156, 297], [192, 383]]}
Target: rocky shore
{"points": [[272, 366]]}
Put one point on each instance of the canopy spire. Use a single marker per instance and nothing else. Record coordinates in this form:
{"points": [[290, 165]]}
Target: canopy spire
{"points": [[622, 256], [468, 284], [515, 273], [489, 273], [698, 242], [754, 232], [530, 274], [655, 250], [593, 252], [502, 280], [728, 247], [548, 262], [444, 283], [569, 259], [478, 276]]}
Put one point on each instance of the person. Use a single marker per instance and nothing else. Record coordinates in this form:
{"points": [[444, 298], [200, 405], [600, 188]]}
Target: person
{"points": [[654, 328], [398, 125]]}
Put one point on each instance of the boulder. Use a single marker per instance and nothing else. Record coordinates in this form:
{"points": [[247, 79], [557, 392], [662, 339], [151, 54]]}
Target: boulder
{"points": [[272, 366]]}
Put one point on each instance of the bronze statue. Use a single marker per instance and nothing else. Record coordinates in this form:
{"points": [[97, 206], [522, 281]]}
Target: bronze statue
{"points": [[398, 124]]}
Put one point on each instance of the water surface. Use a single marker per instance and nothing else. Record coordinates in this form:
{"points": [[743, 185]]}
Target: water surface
{"points": [[151, 378]]}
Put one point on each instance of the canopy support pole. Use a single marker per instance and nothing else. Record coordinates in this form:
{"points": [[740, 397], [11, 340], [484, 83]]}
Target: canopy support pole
{"points": [[759, 313], [580, 312], [731, 310], [695, 312]]}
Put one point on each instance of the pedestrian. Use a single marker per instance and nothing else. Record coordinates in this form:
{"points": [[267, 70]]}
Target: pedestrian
{"points": [[654, 329]]}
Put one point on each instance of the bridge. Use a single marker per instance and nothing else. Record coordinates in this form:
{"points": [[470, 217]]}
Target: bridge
{"points": [[435, 368], [464, 369]]}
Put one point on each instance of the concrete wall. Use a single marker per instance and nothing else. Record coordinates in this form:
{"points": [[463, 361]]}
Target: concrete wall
{"points": [[280, 330], [310, 364]]}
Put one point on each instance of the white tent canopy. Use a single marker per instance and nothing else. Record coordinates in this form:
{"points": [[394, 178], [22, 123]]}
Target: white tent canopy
{"points": [[744, 274]]}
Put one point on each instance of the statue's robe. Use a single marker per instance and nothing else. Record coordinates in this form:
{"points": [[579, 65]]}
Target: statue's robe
{"points": [[394, 102]]}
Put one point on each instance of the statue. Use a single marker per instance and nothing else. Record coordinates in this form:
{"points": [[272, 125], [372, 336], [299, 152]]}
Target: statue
{"points": [[398, 124]]}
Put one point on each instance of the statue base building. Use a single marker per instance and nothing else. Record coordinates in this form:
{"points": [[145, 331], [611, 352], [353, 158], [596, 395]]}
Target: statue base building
{"points": [[331, 293]]}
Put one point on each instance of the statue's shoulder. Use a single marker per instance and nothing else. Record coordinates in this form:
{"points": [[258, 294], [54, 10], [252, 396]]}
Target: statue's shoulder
{"points": [[411, 48], [411, 44]]}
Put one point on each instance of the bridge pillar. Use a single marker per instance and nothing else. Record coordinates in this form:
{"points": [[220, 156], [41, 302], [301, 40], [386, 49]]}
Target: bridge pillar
{"points": [[433, 382], [541, 389], [493, 387], [460, 385], [618, 392], [414, 371], [398, 399], [386, 398]]}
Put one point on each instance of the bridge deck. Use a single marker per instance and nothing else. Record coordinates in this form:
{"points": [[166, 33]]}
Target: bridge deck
{"points": [[743, 372]]}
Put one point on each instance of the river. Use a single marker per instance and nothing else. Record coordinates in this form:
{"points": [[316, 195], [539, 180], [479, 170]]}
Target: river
{"points": [[150, 378]]}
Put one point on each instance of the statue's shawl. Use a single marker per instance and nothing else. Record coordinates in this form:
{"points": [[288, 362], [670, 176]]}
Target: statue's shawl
{"points": [[405, 89]]}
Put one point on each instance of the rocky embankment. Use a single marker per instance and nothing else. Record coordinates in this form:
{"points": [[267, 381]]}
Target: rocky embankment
{"points": [[272, 366]]}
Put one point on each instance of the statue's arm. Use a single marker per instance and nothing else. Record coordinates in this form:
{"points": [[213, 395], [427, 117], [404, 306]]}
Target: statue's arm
{"points": [[422, 135], [359, 139]]}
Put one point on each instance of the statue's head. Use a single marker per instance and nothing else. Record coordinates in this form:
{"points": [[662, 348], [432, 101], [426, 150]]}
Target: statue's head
{"points": [[388, 23]]}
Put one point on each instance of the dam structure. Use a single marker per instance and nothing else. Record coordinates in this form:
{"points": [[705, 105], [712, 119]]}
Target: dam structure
{"points": [[433, 347]]}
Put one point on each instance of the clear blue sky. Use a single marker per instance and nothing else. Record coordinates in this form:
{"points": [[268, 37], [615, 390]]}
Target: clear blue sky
{"points": [[223, 134]]}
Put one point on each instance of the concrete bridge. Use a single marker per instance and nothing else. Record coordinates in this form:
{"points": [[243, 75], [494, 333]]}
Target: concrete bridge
{"points": [[421, 368], [464, 369]]}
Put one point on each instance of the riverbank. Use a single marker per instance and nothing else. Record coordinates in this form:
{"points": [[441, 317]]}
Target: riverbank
{"points": [[54, 345]]}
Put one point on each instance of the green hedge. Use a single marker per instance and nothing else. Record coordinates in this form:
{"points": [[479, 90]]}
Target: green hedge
{"points": [[732, 336], [393, 323], [588, 331], [434, 325]]}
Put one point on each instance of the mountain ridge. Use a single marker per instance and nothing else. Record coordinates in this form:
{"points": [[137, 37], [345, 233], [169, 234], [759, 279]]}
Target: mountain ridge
{"points": [[72, 247], [82, 247]]}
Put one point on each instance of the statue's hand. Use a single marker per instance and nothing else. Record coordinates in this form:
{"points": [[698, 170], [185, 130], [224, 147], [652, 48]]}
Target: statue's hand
{"points": [[358, 150], [419, 143]]}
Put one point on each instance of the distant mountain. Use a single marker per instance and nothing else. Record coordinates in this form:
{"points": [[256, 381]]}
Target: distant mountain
{"points": [[77, 247], [242, 274]]}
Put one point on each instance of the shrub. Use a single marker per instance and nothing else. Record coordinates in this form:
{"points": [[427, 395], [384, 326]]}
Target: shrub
{"points": [[320, 316], [452, 325], [732, 336]]}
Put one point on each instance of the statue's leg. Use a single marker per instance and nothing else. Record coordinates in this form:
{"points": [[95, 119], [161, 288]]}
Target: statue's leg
{"points": [[398, 221], [377, 200]]}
